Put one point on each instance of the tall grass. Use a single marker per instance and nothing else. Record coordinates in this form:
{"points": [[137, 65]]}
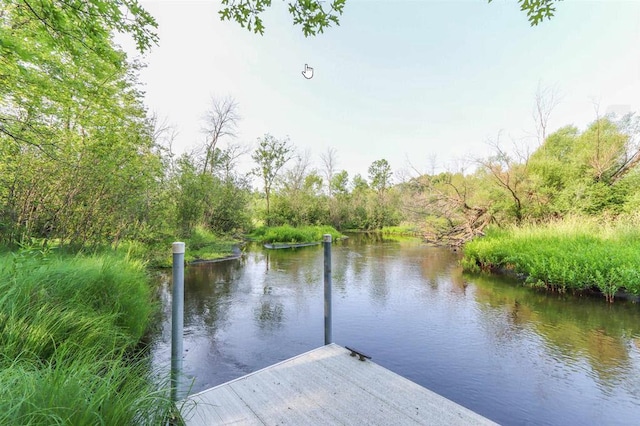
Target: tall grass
{"points": [[402, 230], [576, 254], [69, 328], [289, 234]]}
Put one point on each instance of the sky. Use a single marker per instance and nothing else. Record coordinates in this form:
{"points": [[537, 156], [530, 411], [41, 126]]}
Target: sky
{"points": [[426, 85]]}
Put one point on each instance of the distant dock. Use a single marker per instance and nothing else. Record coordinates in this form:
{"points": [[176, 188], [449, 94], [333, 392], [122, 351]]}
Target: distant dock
{"points": [[325, 386]]}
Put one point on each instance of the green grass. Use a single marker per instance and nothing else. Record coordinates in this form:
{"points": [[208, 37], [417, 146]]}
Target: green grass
{"points": [[402, 230], [205, 245], [201, 244], [577, 254], [69, 329], [289, 234]]}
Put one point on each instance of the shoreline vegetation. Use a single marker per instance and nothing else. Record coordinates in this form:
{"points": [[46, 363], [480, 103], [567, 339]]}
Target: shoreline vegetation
{"points": [[289, 235], [575, 255], [70, 333]]}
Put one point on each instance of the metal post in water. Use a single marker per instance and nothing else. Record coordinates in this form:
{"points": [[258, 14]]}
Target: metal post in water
{"points": [[177, 317], [328, 338]]}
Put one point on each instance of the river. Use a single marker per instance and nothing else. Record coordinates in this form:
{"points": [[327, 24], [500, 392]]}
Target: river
{"points": [[515, 355]]}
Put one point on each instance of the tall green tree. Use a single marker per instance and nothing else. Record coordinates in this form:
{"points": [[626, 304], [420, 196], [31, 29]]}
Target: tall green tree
{"points": [[271, 156], [58, 61], [80, 162], [299, 199], [380, 175], [381, 210]]}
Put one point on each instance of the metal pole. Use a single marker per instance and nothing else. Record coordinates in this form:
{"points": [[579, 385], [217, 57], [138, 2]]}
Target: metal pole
{"points": [[177, 318], [328, 338]]}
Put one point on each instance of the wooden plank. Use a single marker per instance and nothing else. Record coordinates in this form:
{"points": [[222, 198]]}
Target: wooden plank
{"points": [[324, 386]]}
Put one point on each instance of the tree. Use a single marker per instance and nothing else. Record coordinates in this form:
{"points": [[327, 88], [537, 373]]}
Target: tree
{"points": [[271, 156], [449, 207], [329, 161], [380, 176], [70, 110], [628, 125], [340, 210], [585, 172], [340, 183], [220, 121], [299, 200], [546, 99], [59, 61]]}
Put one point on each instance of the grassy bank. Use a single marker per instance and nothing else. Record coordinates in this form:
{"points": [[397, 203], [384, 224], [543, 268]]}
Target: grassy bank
{"points": [[289, 234], [200, 244], [69, 327], [576, 255], [401, 230]]}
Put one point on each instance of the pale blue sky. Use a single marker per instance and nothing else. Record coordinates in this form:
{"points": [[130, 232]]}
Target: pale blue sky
{"points": [[397, 79]]}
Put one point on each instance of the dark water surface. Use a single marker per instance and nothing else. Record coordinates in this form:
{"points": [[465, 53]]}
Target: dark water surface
{"points": [[512, 354]]}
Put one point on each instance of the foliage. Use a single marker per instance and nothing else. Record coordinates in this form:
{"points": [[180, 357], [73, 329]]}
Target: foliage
{"points": [[70, 111], [300, 200], [314, 16], [591, 172], [218, 201], [270, 156], [380, 175], [577, 254], [69, 328], [537, 10], [400, 230], [310, 14], [583, 172], [59, 62], [203, 244], [289, 234]]}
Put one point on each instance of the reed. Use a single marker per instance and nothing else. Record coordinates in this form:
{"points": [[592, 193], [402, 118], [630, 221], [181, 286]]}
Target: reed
{"points": [[69, 332], [576, 254], [402, 230], [289, 234]]}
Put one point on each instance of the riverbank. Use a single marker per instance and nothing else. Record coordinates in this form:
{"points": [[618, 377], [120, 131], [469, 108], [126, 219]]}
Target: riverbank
{"points": [[289, 235], [69, 342], [201, 245], [576, 255]]}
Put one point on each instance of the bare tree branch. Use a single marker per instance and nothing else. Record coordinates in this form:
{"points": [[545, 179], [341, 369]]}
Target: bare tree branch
{"points": [[220, 121]]}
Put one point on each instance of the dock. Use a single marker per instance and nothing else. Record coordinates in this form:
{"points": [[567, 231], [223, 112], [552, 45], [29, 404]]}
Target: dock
{"points": [[326, 386]]}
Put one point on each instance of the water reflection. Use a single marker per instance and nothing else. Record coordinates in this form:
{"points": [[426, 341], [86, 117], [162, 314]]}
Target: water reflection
{"points": [[269, 315], [515, 355], [574, 328], [210, 289]]}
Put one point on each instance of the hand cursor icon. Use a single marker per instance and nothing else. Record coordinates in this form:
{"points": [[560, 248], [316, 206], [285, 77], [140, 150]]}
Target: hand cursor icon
{"points": [[308, 72]]}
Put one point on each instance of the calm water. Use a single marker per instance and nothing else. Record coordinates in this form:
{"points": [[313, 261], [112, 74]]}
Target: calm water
{"points": [[514, 355]]}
